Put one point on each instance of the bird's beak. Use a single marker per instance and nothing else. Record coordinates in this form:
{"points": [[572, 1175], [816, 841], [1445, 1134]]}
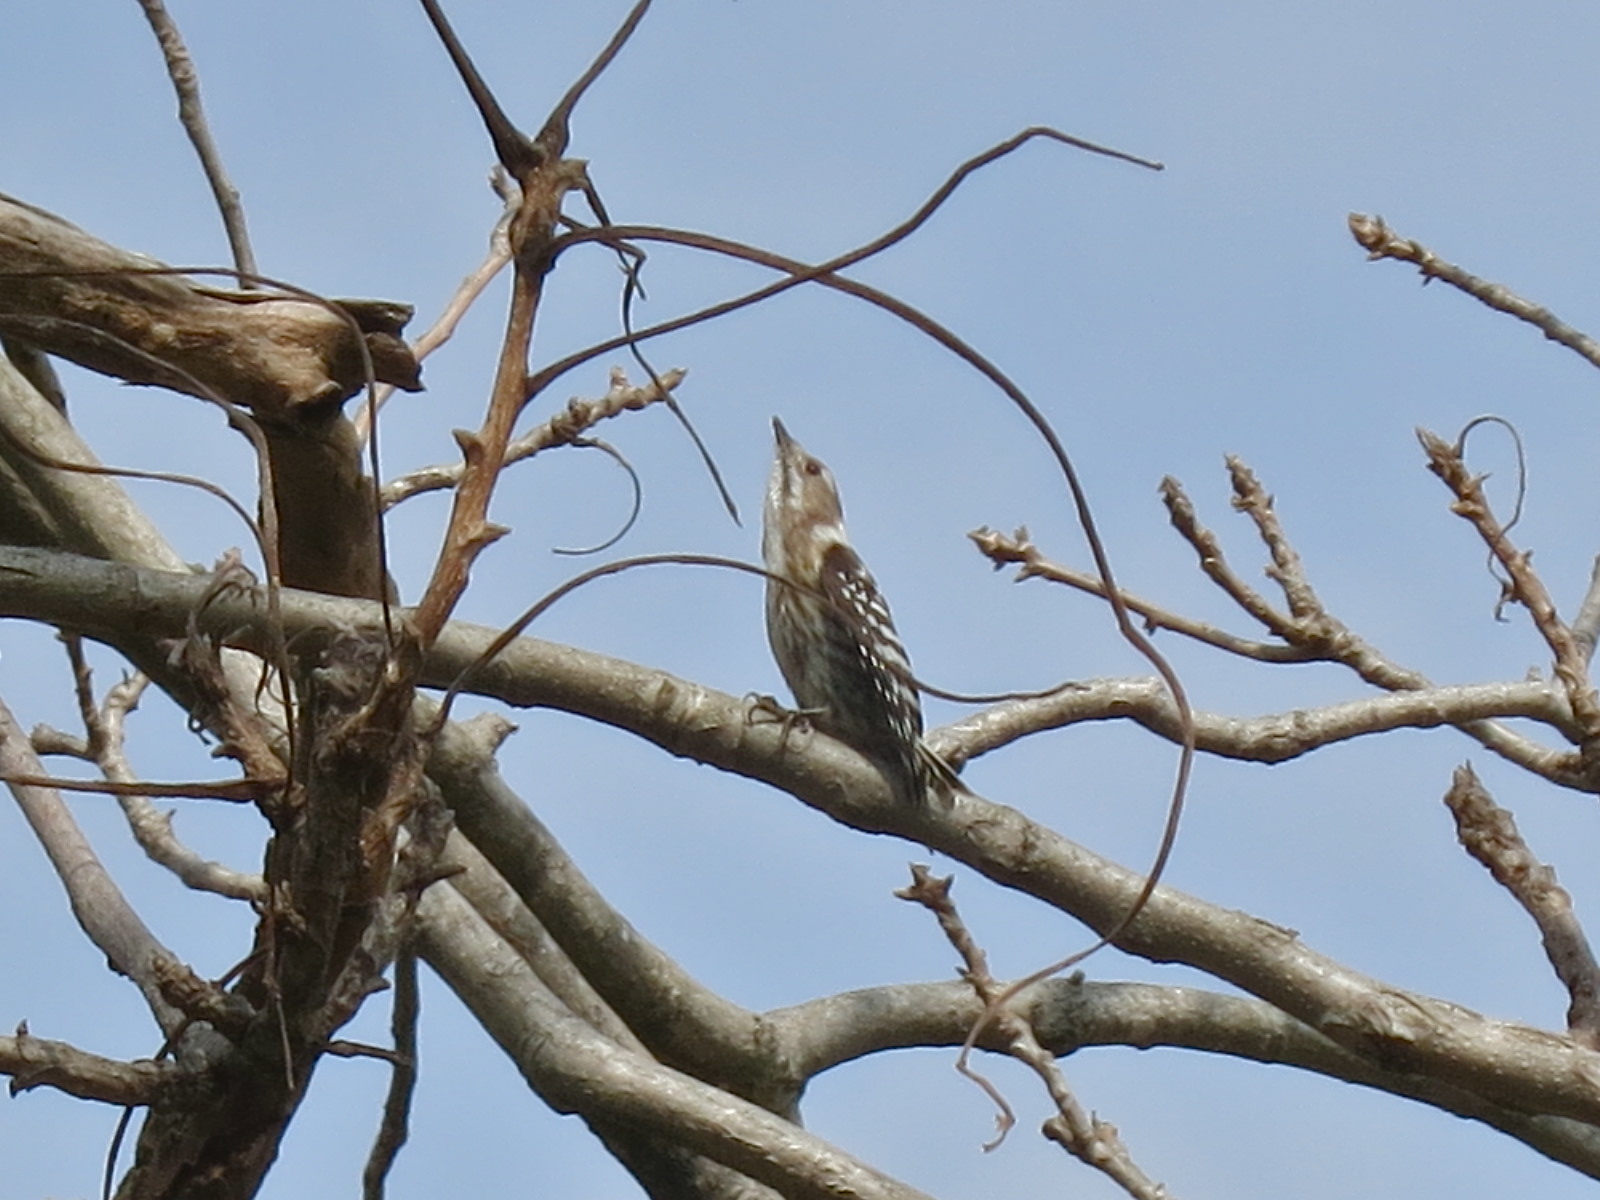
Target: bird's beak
{"points": [[782, 434]]}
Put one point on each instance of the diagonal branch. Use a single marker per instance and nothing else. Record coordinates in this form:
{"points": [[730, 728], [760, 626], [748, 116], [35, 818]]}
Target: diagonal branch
{"points": [[1489, 834], [186, 82], [97, 902], [1380, 241], [578, 1070]]}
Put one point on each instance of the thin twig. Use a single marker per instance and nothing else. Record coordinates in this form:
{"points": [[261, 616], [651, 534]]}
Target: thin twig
{"points": [[232, 791], [393, 1131], [466, 294], [565, 428], [1002, 549], [1287, 571], [152, 829], [1380, 241], [1084, 1136], [1181, 512], [186, 82]]}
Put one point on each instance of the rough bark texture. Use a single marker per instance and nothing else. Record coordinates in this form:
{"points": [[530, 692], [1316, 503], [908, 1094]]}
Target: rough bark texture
{"points": [[288, 362]]}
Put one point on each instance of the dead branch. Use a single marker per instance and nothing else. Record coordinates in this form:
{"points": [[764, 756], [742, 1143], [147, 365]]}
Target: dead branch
{"points": [[70, 294], [105, 742], [1087, 1138], [37, 1062]]}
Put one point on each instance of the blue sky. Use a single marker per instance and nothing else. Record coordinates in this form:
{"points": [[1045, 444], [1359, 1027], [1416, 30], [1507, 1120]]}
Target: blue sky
{"points": [[1161, 320]]}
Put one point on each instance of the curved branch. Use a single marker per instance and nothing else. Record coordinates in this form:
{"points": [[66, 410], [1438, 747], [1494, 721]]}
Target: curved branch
{"points": [[1279, 737], [1069, 1015]]}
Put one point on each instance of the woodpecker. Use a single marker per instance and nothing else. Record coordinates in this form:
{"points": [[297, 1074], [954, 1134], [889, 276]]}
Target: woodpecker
{"points": [[832, 634]]}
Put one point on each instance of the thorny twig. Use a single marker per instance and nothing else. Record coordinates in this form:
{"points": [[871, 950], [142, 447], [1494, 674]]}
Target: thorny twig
{"points": [[1081, 1134], [1489, 834], [1380, 241]]}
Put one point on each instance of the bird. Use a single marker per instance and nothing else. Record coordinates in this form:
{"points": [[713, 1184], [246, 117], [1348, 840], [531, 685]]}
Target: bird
{"points": [[831, 631]]}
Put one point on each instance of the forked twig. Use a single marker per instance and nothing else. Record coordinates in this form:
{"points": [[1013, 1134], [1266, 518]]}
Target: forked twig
{"points": [[1075, 1129], [1522, 581], [1003, 549], [104, 745]]}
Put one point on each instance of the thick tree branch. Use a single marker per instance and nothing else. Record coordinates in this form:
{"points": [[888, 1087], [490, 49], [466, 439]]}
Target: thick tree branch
{"points": [[36, 1062], [1071, 1014], [1508, 1064], [70, 294], [578, 1070], [677, 1018]]}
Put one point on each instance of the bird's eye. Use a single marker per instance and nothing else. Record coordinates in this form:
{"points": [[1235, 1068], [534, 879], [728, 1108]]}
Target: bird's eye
{"points": [[812, 467]]}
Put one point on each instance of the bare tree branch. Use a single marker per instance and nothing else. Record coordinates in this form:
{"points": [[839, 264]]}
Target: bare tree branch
{"points": [[1489, 834], [563, 429], [577, 1070], [152, 828], [35, 1062], [1092, 1141], [1571, 660], [186, 82], [1379, 241], [97, 902]]}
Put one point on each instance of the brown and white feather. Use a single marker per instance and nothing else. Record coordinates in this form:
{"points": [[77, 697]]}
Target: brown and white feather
{"points": [[833, 635]]}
